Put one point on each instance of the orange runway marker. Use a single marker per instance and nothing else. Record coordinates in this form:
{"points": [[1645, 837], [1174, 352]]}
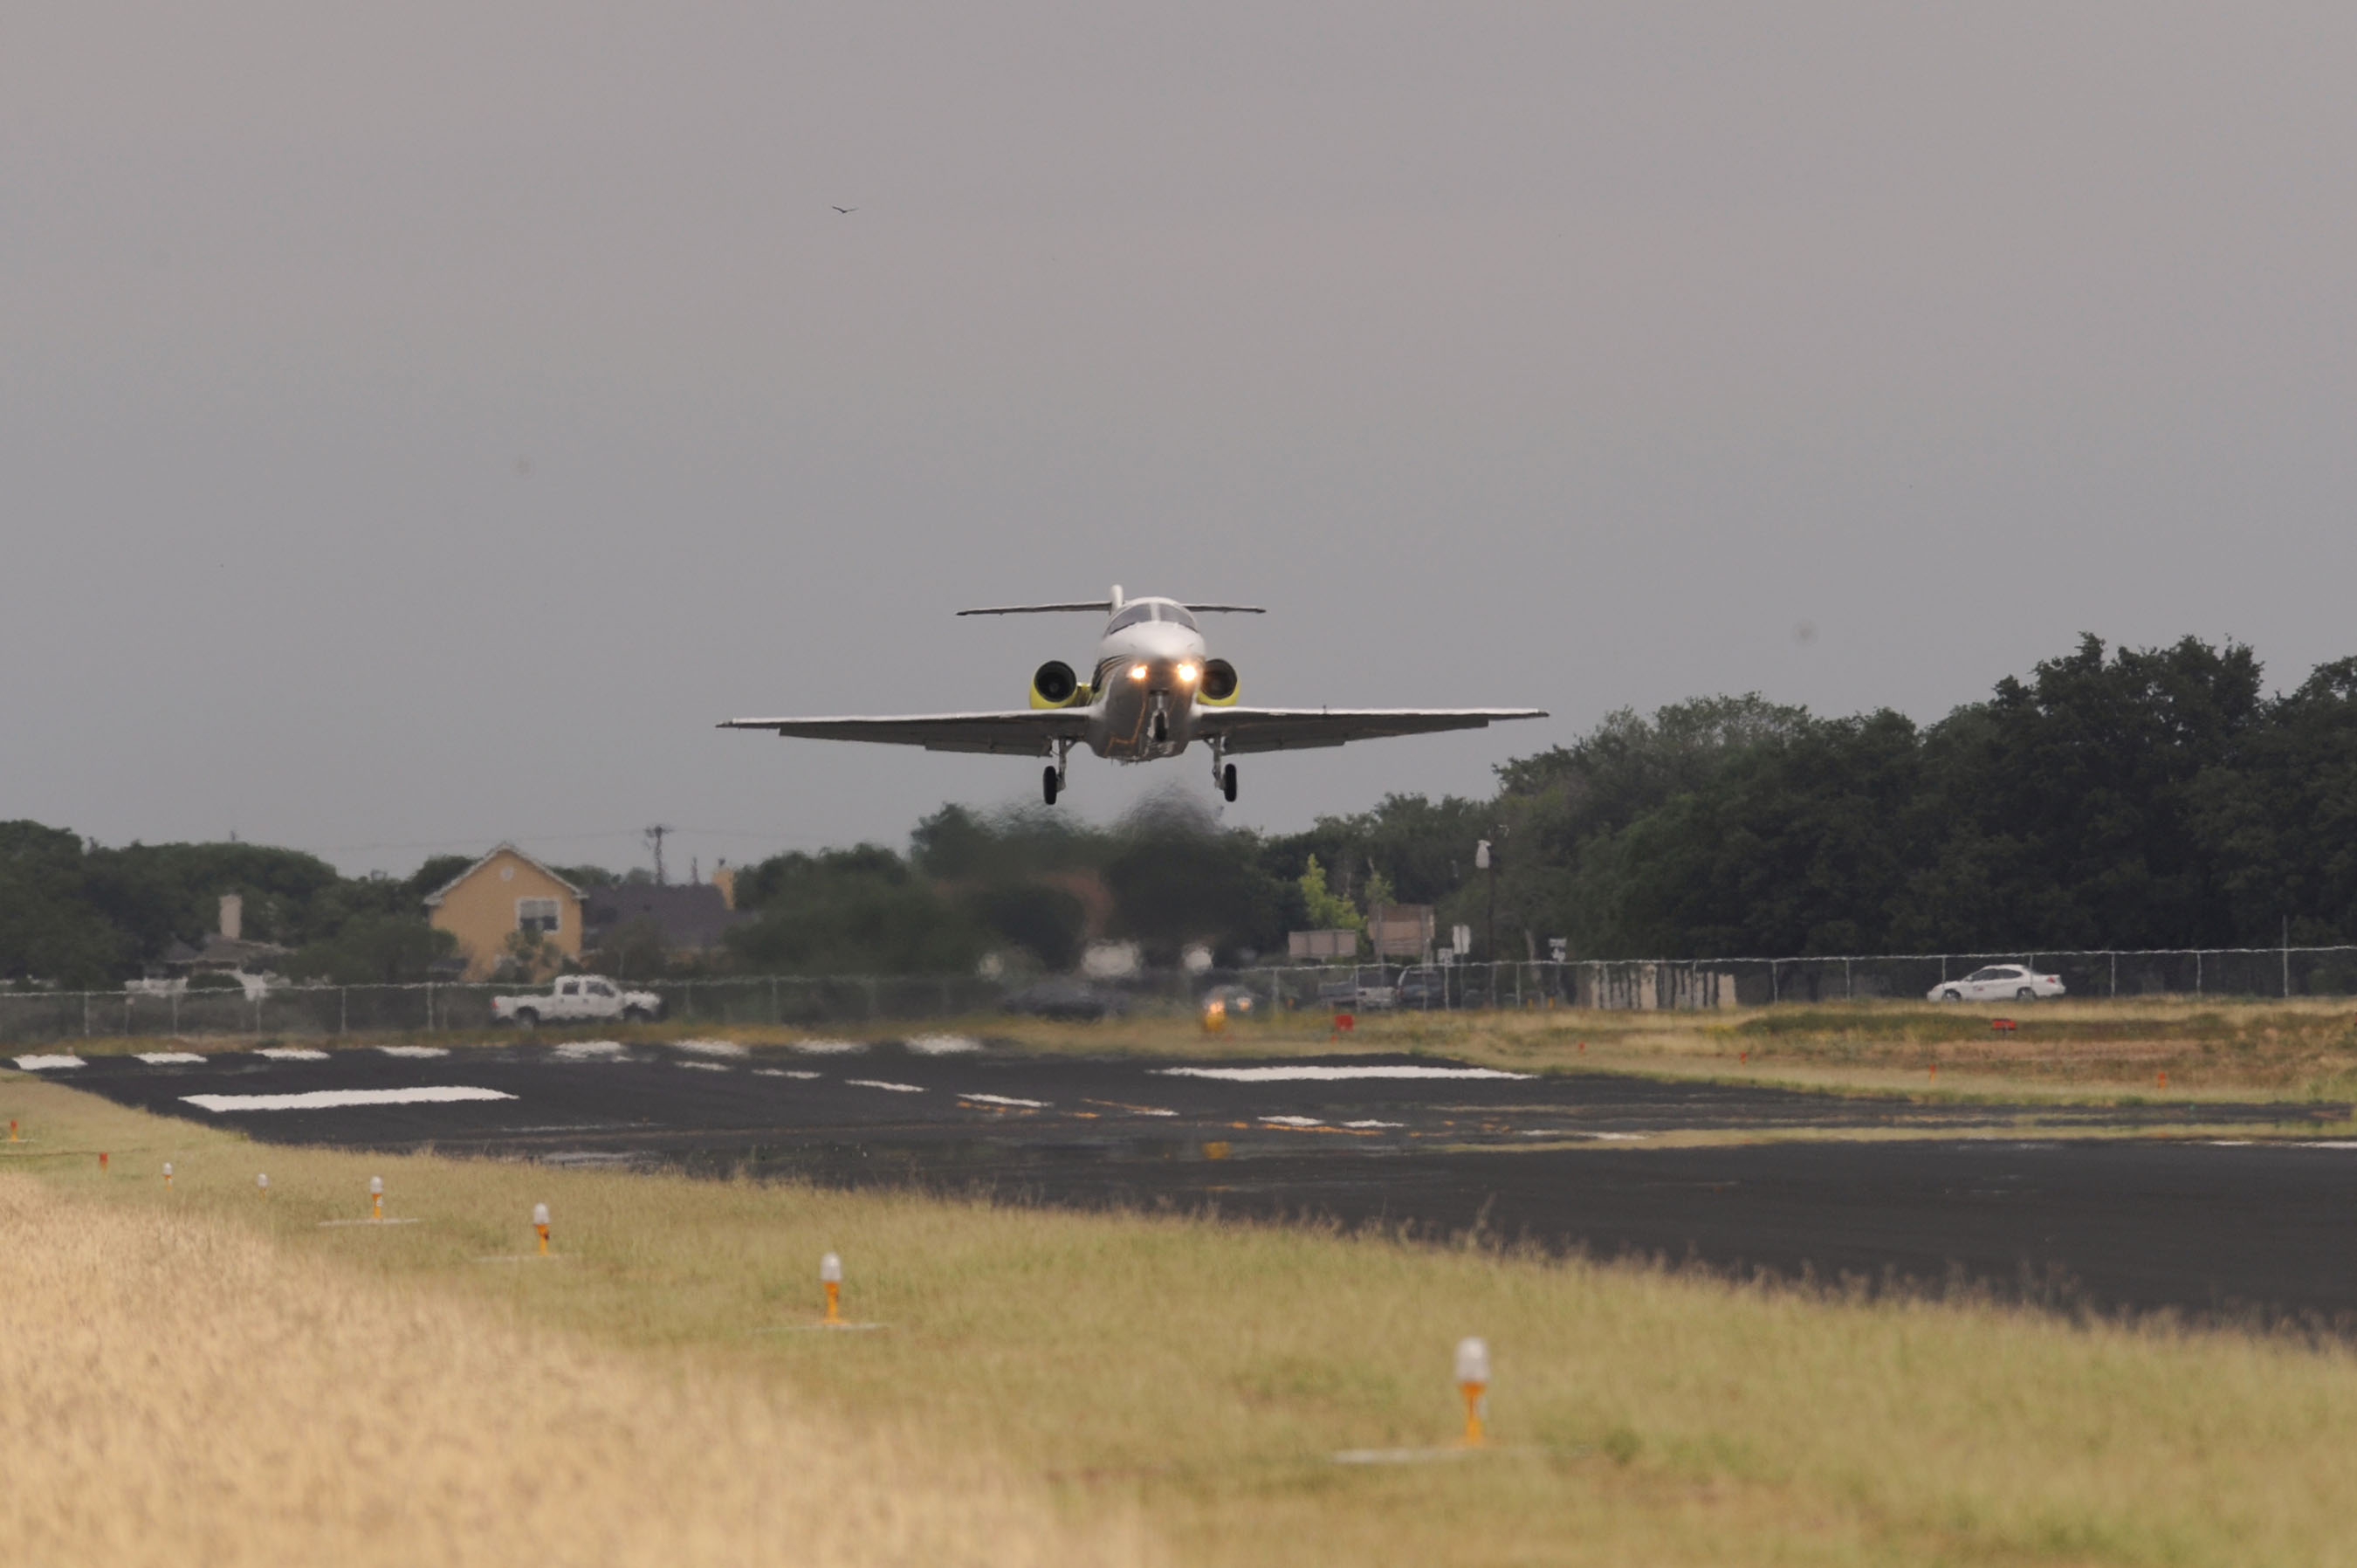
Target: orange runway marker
{"points": [[1473, 1383]]}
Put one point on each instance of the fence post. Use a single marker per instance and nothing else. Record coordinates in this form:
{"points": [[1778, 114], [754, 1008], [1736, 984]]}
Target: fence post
{"points": [[429, 1006], [2116, 976], [1849, 990], [343, 1009], [85, 1011], [2197, 971]]}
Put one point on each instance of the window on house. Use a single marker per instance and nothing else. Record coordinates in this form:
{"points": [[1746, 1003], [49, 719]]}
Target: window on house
{"points": [[536, 915]]}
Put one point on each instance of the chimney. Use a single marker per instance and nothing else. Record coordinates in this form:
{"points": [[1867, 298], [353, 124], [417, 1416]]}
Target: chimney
{"points": [[726, 880], [233, 916]]}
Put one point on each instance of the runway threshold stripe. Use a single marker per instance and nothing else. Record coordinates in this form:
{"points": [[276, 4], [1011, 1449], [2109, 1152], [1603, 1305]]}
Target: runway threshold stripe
{"points": [[1329, 1074], [338, 1099]]}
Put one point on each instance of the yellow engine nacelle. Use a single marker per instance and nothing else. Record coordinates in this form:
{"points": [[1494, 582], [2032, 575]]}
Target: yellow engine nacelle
{"points": [[1053, 685], [1218, 688]]}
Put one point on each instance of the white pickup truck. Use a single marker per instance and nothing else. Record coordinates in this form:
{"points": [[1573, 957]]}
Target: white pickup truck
{"points": [[578, 996]]}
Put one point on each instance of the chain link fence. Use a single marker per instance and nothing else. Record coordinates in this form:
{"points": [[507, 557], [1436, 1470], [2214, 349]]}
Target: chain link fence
{"points": [[294, 1012]]}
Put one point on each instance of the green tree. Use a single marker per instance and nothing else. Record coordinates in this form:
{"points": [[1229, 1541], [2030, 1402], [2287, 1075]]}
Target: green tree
{"points": [[1326, 909]]}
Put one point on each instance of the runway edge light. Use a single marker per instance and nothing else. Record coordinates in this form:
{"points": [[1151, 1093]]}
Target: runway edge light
{"points": [[539, 1223], [167, 1173], [830, 1275], [376, 1197], [261, 1183], [1473, 1383]]}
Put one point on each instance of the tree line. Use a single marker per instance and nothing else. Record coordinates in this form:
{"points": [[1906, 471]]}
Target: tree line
{"points": [[2112, 797]]}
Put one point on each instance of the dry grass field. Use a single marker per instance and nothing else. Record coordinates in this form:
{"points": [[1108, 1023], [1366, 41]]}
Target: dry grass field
{"points": [[180, 1388], [204, 1366]]}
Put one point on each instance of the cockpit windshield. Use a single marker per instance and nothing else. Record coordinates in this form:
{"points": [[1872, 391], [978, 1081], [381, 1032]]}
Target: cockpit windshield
{"points": [[1153, 609]]}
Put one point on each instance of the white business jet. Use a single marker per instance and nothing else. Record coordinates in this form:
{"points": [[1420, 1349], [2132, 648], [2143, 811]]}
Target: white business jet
{"points": [[1153, 689]]}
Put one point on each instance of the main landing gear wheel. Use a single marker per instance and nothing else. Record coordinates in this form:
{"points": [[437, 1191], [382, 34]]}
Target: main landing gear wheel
{"points": [[1049, 783], [1228, 782]]}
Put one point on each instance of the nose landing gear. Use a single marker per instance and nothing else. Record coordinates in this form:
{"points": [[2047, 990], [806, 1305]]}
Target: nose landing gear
{"points": [[1228, 781]]}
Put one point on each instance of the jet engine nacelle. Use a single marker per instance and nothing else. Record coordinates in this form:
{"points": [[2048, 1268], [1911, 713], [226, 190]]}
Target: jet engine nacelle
{"points": [[1053, 685], [1219, 686]]}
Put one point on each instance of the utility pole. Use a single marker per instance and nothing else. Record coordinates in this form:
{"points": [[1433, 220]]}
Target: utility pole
{"points": [[655, 837]]}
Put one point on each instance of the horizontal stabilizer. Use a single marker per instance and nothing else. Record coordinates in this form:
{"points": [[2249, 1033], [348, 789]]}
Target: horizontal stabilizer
{"points": [[1101, 606]]}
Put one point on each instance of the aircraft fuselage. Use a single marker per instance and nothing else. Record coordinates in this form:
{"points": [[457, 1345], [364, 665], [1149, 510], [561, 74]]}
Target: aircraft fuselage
{"points": [[1149, 668]]}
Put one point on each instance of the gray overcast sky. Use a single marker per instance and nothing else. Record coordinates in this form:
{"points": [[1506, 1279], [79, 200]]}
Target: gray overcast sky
{"points": [[419, 423]]}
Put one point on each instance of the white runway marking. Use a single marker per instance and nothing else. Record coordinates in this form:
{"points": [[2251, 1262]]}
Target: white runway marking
{"points": [[592, 1051], [1294, 1120], [827, 1047], [942, 1045], [335, 1099], [2336, 1144], [415, 1050], [48, 1064], [880, 1083], [291, 1054], [1005, 1100], [710, 1047], [705, 1067], [1330, 1074], [780, 1072], [1374, 1123], [167, 1058]]}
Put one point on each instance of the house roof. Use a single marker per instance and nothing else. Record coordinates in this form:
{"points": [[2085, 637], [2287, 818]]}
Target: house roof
{"points": [[434, 900], [689, 917]]}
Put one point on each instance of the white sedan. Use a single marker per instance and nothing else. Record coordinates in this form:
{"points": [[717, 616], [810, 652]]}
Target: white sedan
{"points": [[1997, 983]]}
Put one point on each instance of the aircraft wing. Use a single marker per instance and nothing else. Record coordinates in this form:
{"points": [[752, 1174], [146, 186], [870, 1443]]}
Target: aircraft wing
{"points": [[1022, 732], [1295, 729]]}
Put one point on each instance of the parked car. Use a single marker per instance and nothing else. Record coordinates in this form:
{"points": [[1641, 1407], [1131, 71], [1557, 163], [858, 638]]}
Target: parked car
{"points": [[1370, 991], [578, 996], [1068, 999], [1999, 982], [1424, 988]]}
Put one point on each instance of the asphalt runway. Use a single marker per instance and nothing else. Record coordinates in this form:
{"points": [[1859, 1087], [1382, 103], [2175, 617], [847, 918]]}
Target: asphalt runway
{"points": [[2023, 1203]]}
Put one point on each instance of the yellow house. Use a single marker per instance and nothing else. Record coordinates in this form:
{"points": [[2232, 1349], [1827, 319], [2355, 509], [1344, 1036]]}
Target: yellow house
{"points": [[505, 892]]}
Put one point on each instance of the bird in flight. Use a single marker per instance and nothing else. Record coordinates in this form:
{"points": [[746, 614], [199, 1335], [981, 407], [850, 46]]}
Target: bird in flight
{"points": [[847, 210]]}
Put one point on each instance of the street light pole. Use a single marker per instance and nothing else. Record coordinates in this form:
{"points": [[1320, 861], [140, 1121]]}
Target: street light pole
{"points": [[1484, 861]]}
